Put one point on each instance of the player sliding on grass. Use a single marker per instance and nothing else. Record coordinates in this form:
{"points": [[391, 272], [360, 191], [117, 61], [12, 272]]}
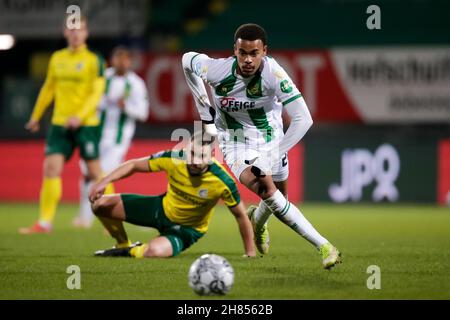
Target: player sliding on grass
{"points": [[250, 89], [182, 215]]}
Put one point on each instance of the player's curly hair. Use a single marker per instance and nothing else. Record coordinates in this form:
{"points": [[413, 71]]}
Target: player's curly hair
{"points": [[251, 32]]}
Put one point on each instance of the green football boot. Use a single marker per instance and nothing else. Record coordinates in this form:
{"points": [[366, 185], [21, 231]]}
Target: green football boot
{"points": [[330, 255]]}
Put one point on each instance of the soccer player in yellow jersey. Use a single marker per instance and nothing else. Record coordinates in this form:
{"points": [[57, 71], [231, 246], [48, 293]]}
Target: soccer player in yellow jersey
{"points": [[75, 82], [182, 214]]}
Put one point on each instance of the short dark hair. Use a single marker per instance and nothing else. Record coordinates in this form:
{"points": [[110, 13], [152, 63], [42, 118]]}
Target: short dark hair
{"points": [[251, 32], [121, 49], [200, 139]]}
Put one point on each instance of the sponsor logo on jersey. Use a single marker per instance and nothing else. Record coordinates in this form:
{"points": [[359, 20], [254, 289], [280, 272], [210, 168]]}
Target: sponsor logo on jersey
{"points": [[230, 104]]}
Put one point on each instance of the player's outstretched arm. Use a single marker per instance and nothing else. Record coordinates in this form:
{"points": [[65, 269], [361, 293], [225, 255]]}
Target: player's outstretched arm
{"points": [[126, 169], [245, 228]]}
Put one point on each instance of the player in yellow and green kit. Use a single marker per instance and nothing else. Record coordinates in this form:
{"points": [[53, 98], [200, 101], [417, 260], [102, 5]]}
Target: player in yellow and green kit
{"points": [[75, 82], [182, 214]]}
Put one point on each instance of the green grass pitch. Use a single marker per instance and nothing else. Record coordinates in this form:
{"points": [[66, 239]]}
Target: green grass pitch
{"points": [[410, 244]]}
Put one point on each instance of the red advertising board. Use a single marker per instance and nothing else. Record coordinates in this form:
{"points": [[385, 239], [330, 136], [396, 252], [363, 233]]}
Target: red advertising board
{"points": [[21, 172], [312, 71], [444, 172], [368, 85]]}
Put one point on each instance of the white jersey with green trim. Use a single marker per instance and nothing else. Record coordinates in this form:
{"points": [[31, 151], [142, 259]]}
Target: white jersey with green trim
{"points": [[247, 109], [118, 124]]}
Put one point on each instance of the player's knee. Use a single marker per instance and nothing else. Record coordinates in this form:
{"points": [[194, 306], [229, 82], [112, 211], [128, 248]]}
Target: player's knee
{"points": [[52, 169], [266, 189], [154, 251], [101, 207]]}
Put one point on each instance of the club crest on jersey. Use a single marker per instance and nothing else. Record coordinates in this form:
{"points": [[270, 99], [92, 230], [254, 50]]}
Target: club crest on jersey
{"points": [[254, 91], [79, 66], [230, 104], [285, 86], [203, 193], [199, 69]]}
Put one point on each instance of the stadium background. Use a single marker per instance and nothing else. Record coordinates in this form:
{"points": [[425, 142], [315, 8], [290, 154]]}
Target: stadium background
{"points": [[373, 173], [365, 88]]}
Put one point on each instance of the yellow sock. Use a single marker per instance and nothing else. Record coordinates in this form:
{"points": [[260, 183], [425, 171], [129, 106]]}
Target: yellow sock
{"points": [[125, 244], [138, 252], [109, 189], [50, 195]]}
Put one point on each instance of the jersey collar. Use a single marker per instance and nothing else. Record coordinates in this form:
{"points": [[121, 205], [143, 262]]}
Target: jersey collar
{"points": [[79, 49]]}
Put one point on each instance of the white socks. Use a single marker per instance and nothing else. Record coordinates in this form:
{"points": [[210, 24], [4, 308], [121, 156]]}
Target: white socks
{"points": [[86, 213], [262, 215], [291, 216]]}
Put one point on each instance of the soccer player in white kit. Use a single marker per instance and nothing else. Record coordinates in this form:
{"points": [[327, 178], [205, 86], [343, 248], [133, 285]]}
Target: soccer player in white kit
{"points": [[249, 91], [124, 102]]}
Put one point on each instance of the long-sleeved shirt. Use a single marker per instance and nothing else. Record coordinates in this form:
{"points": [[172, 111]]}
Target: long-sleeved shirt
{"points": [[118, 125], [75, 82]]}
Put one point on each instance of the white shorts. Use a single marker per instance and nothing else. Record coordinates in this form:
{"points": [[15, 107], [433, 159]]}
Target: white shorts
{"points": [[236, 154], [111, 156]]}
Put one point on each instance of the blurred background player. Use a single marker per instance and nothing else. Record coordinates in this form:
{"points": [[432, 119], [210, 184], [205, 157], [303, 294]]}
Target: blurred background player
{"points": [[248, 89], [75, 81], [125, 100], [182, 214]]}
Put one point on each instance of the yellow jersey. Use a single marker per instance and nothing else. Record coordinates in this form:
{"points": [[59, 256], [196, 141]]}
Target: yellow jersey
{"points": [[75, 81], [190, 200]]}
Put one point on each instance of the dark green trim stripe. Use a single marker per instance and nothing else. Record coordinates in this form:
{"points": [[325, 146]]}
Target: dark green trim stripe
{"points": [[232, 123], [101, 65], [225, 177], [291, 99], [108, 85], [127, 90], [121, 124], [254, 87], [286, 208], [234, 66], [102, 122], [259, 119], [192, 69], [226, 85]]}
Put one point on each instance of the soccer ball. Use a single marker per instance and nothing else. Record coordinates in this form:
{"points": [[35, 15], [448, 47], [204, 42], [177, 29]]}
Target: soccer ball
{"points": [[211, 274]]}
